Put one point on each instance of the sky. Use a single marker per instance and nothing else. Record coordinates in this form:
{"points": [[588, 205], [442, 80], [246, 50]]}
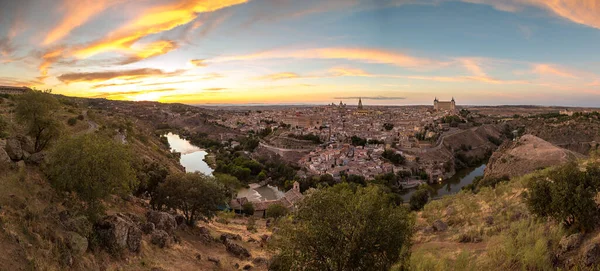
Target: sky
{"points": [[394, 52]]}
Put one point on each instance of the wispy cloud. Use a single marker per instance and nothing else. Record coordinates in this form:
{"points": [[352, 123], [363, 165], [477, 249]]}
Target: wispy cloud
{"points": [[154, 20], [370, 98], [547, 69], [128, 94], [367, 55], [198, 62], [76, 13], [279, 76], [108, 75], [144, 51]]}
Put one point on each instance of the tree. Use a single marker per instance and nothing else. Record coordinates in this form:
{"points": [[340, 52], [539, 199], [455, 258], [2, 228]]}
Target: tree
{"points": [[567, 195], [393, 157], [344, 228], [196, 195], [36, 109], [150, 175], [3, 127], [276, 211], [92, 166], [248, 208], [230, 182], [419, 199]]}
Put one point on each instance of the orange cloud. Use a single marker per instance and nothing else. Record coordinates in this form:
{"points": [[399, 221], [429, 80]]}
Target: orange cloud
{"points": [[198, 62], [473, 66], [154, 20], [586, 12], [279, 76], [340, 71], [77, 12], [546, 69], [108, 75], [369, 55], [47, 59], [153, 49]]}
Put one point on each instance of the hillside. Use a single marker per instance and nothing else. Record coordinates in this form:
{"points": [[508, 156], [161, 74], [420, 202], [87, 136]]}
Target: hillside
{"points": [[525, 155], [42, 228]]}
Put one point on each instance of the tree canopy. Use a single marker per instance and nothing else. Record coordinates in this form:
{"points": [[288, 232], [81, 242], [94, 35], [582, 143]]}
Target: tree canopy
{"points": [[196, 195], [36, 109], [344, 227], [93, 166], [567, 195]]}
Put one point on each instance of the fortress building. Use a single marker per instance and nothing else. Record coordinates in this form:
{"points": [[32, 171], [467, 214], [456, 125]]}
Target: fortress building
{"points": [[444, 105], [13, 90]]}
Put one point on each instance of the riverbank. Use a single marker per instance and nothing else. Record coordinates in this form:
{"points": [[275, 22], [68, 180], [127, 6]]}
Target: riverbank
{"points": [[453, 185]]}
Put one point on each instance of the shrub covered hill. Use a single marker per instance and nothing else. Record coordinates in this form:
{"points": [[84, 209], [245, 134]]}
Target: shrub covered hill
{"points": [[92, 185]]}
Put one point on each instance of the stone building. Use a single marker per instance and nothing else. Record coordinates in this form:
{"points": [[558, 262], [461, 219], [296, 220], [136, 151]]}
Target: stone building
{"points": [[444, 105], [13, 90]]}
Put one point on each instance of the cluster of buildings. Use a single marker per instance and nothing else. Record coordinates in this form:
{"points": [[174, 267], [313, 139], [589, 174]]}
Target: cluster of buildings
{"points": [[13, 90], [289, 200]]}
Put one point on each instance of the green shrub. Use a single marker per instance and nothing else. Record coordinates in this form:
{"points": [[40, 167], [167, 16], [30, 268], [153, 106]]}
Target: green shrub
{"points": [[72, 121], [276, 211], [419, 199], [251, 225], [566, 194], [248, 208]]}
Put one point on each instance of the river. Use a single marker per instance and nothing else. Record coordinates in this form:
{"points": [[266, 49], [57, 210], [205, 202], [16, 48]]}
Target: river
{"points": [[453, 185], [192, 157]]}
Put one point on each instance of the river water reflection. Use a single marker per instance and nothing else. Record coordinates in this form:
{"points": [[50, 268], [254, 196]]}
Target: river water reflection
{"points": [[192, 157], [453, 185]]}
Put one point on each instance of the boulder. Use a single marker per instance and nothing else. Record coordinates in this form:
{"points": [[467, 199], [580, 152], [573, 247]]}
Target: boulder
{"points": [[230, 236], [13, 149], [79, 225], [568, 243], [117, 232], [162, 221], [37, 158], [591, 254], [247, 267], [161, 238], [265, 237], [236, 250], [215, 260], [428, 229], [27, 144], [148, 228], [439, 225], [76, 243], [260, 261], [4, 159]]}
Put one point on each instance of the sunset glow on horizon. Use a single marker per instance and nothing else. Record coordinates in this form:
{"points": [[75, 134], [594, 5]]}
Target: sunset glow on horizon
{"points": [[397, 52]]}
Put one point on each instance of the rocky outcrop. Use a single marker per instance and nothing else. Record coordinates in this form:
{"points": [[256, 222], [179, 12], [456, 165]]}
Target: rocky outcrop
{"points": [[13, 149], [76, 243], [162, 221], [161, 238], [118, 232], [4, 158], [591, 254], [236, 250], [570, 242], [525, 155], [439, 225], [148, 228]]}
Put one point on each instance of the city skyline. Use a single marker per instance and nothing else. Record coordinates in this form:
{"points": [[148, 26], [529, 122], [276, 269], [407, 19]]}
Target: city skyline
{"points": [[389, 52]]}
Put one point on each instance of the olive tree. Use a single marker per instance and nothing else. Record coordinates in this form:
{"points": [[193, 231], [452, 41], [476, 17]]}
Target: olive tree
{"points": [[36, 110], [419, 199], [344, 228], [92, 166], [196, 195]]}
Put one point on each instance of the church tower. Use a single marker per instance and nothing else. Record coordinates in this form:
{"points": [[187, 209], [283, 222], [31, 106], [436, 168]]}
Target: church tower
{"points": [[435, 104], [453, 104], [360, 106]]}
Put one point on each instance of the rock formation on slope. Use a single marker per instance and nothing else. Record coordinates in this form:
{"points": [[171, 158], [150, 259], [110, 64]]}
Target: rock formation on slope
{"points": [[527, 154]]}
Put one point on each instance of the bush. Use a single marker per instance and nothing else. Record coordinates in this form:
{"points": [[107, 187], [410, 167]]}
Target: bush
{"points": [[344, 228], [251, 225], [3, 127], [567, 195], [196, 195], [35, 109], [248, 208], [393, 157], [91, 166], [276, 211], [419, 199], [72, 121]]}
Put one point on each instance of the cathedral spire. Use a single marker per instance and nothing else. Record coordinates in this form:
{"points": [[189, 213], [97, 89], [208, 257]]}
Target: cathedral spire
{"points": [[360, 106]]}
